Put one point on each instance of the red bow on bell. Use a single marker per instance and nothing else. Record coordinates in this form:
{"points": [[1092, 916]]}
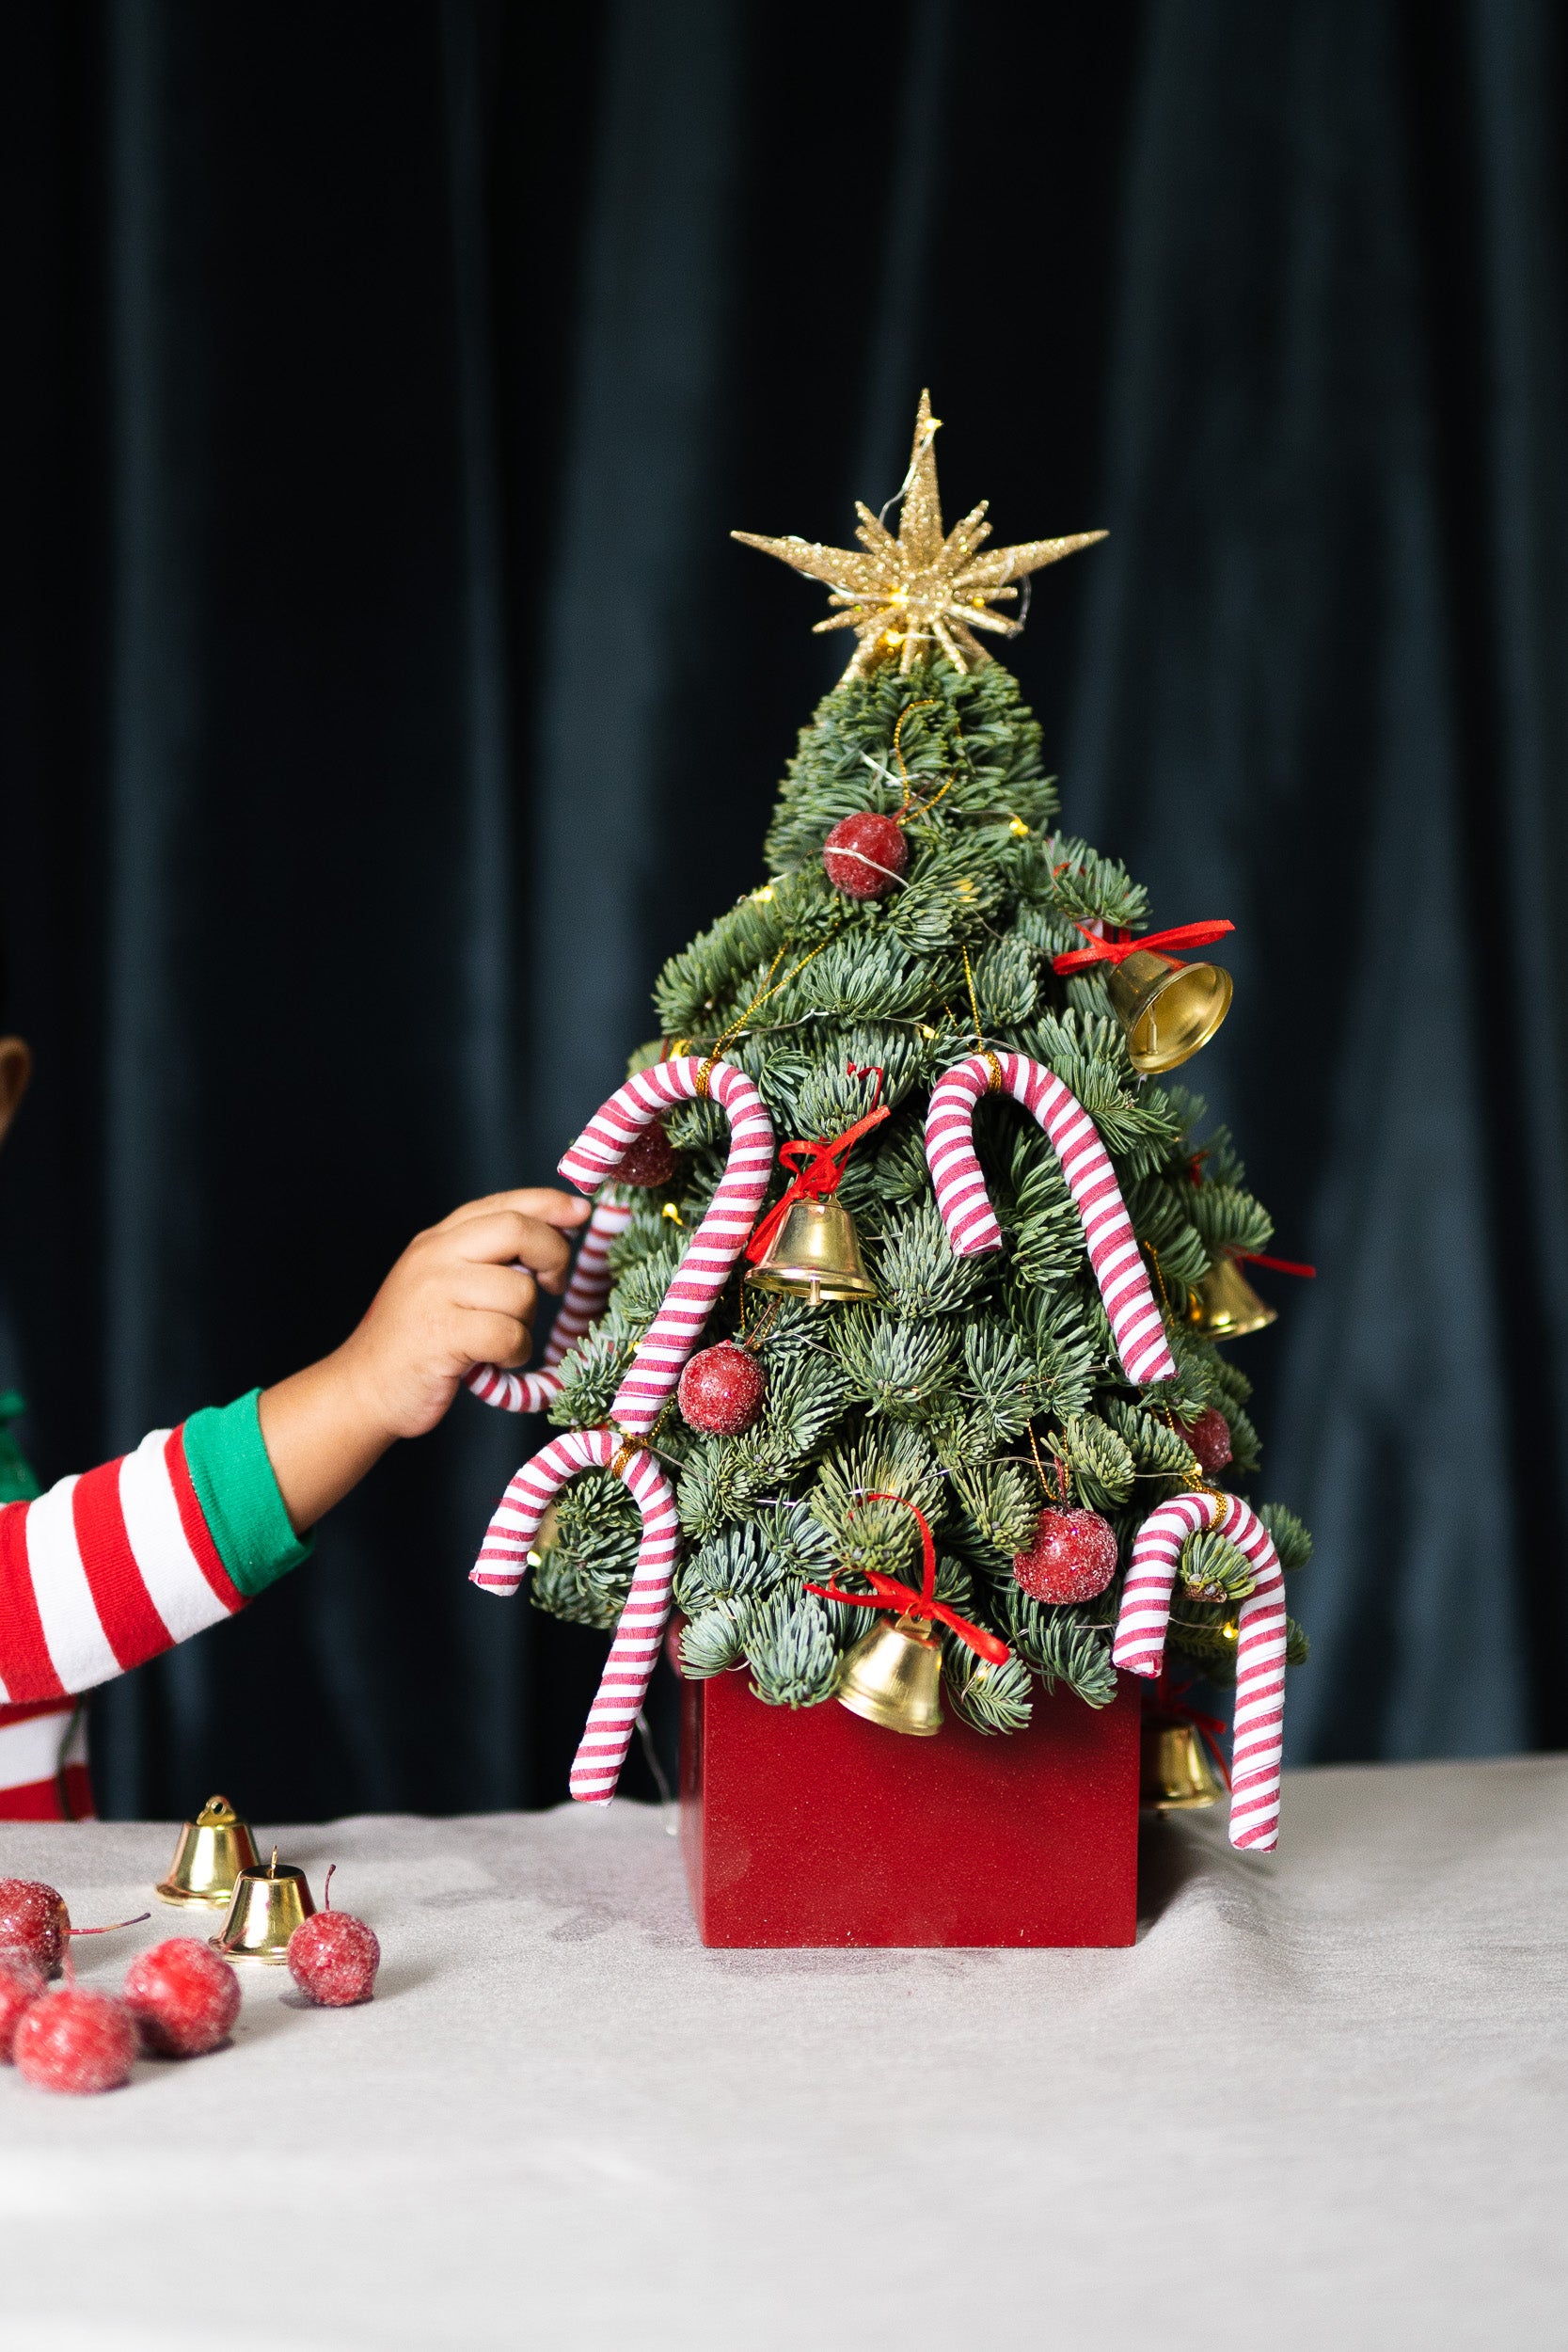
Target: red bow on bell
{"points": [[1100, 950], [887, 1593], [819, 1168]]}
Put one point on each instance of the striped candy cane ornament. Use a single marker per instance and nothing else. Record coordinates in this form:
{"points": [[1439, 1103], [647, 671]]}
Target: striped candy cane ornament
{"points": [[581, 1305], [656, 1368], [1140, 1645], [971, 1222], [503, 1562], [650, 1380]]}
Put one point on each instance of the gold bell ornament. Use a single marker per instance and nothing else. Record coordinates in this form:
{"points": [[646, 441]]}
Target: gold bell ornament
{"points": [[1177, 1775], [893, 1675], [815, 1254], [211, 1851], [1225, 1306], [1167, 1007], [807, 1246], [266, 1907]]}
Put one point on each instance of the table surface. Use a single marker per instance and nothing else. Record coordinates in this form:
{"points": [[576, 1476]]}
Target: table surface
{"points": [[1320, 2103]]}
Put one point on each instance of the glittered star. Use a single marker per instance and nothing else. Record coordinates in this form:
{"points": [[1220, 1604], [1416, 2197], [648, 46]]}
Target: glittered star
{"points": [[904, 596]]}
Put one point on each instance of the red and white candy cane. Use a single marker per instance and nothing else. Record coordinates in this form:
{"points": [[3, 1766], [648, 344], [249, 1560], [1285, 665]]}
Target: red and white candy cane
{"points": [[583, 1304], [503, 1562], [650, 1380], [1140, 1645], [654, 1369], [971, 1222]]}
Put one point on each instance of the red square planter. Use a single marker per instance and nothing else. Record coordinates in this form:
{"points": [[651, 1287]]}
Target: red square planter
{"points": [[812, 1827]]}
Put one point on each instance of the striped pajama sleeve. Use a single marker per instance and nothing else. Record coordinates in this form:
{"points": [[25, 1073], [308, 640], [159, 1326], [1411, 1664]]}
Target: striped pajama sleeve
{"points": [[110, 1568]]}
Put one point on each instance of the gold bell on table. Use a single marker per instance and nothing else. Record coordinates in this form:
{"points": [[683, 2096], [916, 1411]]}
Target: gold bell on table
{"points": [[816, 1255], [1177, 1775], [212, 1851], [1225, 1306], [1169, 1008], [267, 1905], [892, 1677]]}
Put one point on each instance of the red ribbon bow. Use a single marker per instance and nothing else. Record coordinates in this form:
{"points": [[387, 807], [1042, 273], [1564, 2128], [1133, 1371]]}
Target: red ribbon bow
{"points": [[819, 1168], [1165, 1699], [1117, 950], [887, 1593]]}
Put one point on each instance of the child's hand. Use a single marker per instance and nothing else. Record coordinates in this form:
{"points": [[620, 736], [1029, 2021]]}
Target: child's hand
{"points": [[461, 1294]]}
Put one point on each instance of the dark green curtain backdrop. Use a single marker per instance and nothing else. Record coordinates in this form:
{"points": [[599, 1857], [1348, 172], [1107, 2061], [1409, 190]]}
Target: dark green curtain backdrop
{"points": [[383, 700]]}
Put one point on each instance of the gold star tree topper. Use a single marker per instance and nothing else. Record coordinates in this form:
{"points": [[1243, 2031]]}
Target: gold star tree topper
{"points": [[903, 596]]}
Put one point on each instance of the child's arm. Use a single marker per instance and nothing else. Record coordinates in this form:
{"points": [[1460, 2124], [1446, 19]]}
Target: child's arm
{"points": [[107, 1571]]}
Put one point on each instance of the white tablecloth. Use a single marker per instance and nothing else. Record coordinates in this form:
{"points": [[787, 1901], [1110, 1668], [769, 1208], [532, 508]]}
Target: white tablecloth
{"points": [[1322, 2103]]}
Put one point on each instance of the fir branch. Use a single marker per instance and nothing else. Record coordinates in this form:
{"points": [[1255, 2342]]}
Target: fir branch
{"points": [[888, 1458], [1228, 1219], [917, 1273], [591, 1372], [999, 1507], [1101, 1467], [714, 1640], [899, 1369], [1246, 1449], [1213, 1568], [1062, 1645], [791, 1651], [737, 1563], [1289, 1538], [989, 1698], [1158, 1449]]}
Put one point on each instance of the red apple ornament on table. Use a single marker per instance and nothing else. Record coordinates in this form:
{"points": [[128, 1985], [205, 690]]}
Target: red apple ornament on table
{"points": [[21, 1982], [34, 1919], [333, 1957], [75, 2042], [183, 1998]]}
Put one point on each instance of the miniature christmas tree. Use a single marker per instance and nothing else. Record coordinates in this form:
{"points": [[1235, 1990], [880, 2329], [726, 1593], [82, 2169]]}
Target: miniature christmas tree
{"points": [[922, 907]]}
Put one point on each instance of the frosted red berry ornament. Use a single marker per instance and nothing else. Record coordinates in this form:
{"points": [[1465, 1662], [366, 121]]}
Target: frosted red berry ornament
{"points": [[21, 1982], [1210, 1437], [651, 1159], [183, 1998], [1073, 1557], [34, 1919], [77, 2041], [333, 1957], [864, 855], [722, 1390]]}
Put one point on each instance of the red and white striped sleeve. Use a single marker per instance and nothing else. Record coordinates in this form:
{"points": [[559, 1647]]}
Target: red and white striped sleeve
{"points": [[105, 1570]]}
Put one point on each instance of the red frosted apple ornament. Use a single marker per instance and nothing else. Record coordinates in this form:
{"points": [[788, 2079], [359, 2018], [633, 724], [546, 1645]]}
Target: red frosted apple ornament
{"points": [[21, 1982], [651, 1159], [75, 2042], [1210, 1437], [1073, 1557], [182, 1997], [333, 1957], [722, 1390], [34, 1919], [864, 855]]}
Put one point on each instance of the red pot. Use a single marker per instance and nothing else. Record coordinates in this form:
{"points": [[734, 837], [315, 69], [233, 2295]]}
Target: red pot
{"points": [[812, 1827]]}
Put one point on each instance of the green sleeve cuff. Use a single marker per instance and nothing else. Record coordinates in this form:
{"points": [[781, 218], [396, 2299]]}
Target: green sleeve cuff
{"points": [[226, 1457]]}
